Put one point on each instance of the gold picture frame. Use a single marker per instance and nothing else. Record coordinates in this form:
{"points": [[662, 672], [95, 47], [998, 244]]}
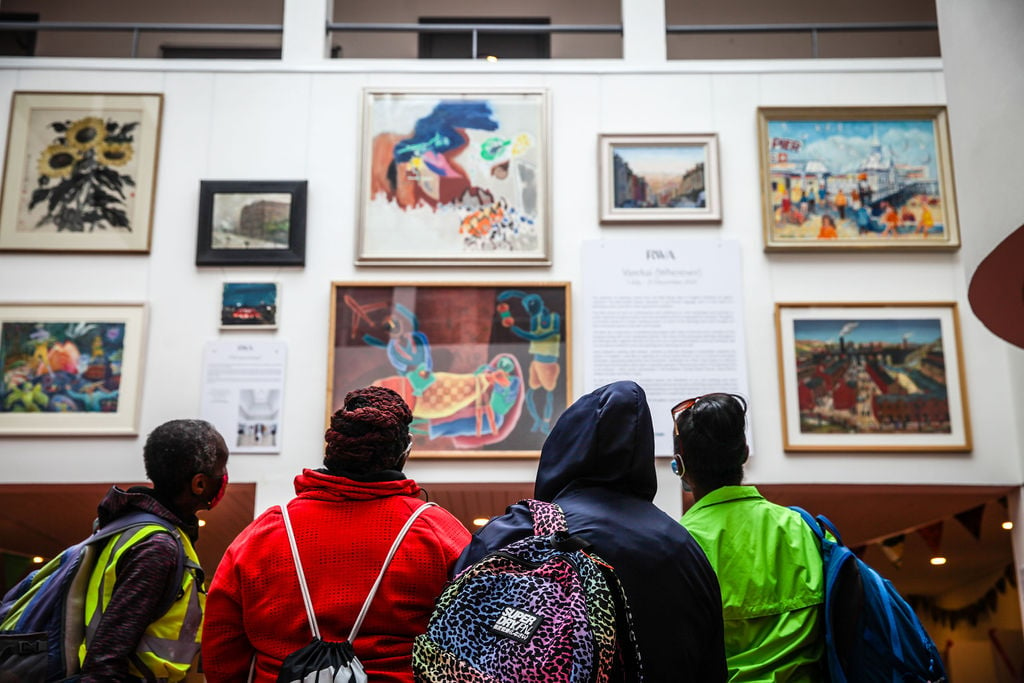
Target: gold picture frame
{"points": [[857, 178], [485, 366]]}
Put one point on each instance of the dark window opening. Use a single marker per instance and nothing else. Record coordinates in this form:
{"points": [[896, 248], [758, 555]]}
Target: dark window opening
{"points": [[211, 52], [18, 43], [459, 44]]}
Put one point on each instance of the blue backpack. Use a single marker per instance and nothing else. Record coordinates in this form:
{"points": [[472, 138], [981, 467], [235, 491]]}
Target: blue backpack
{"points": [[871, 634], [42, 619]]}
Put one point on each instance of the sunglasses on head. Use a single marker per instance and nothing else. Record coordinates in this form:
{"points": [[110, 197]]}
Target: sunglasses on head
{"points": [[680, 408]]}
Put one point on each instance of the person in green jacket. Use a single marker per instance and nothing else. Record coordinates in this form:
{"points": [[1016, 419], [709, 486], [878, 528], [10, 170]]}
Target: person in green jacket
{"points": [[768, 561]]}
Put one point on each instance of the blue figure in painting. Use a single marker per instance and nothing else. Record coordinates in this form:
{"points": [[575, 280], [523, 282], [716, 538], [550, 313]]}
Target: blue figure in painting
{"points": [[865, 223], [439, 131], [407, 348], [545, 337]]}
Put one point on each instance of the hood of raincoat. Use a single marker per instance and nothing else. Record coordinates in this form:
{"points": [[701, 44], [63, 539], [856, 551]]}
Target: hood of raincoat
{"points": [[604, 439]]}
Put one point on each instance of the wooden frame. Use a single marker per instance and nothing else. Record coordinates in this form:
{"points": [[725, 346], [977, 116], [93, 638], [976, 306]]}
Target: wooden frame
{"points": [[872, 377], [252, 223], [71, 369], [454, 177], [485, 344], [249, 305], [80, 172], [659, 178], [883, 175]]}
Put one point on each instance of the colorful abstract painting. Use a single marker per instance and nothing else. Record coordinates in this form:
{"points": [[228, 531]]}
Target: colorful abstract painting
{"points": [[70, 367], [484, 368], [454, 178], [840, 178]]}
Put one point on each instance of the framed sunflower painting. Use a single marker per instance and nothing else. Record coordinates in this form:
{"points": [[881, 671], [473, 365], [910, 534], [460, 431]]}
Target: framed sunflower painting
{"points": [[80, 172]]}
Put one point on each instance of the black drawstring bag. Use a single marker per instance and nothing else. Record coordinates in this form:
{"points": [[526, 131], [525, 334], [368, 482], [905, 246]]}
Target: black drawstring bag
{"points": [[326, 661], [323, 661]]}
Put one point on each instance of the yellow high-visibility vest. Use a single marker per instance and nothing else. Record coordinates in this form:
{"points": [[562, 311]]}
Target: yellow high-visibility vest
{"points": [[172, 641]]}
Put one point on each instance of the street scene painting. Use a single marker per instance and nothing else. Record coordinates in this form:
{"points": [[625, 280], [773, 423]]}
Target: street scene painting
{"points": [[877, 178], [484, 367], [248, 305], [69, 369], [886, 376], [251, 223], [251, 220], [454, 178], [664, 178]]}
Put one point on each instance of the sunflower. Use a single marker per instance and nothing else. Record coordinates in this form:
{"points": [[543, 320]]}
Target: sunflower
{"points": [[86, 133], [57, 161], [114, 153]]}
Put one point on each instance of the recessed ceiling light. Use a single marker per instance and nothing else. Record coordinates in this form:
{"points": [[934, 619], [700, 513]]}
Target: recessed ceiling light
{"points": [[202, 522], [938, 561], [480, 521], [1007, 525], [491, 58], [38, 560]]}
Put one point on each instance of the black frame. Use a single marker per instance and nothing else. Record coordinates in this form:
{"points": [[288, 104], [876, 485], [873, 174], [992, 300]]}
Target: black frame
{"points": [[294, 255]]}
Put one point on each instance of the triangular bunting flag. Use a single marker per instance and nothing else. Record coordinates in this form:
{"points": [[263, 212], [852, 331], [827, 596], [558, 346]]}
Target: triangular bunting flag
{"points": [[859, 551], [1005, 503], [893, 549], [971, 520], [932, 535]]}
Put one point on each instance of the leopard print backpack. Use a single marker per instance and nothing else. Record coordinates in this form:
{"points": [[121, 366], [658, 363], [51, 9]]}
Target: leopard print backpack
{"points": [[540, 610]]}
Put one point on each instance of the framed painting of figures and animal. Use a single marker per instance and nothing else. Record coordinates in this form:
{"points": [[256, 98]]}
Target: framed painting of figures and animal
{"points": [[71, 369], [454, 178], [878, 178], [80, 172], [485, 367], [872, 377]]}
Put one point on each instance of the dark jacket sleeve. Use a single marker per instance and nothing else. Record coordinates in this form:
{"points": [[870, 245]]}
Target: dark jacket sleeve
{"points": [[142, 576], [516, 523]]}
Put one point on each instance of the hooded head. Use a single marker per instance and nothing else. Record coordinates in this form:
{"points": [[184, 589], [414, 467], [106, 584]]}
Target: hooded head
{"points": [[604, 439]]}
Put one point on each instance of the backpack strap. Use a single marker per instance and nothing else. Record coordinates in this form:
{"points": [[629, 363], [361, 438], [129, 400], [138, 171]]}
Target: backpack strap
{"points": [[387, 560], [809, 520], [304, 588], [827, 524], [141, 518], [548, 518], [820, 525]]}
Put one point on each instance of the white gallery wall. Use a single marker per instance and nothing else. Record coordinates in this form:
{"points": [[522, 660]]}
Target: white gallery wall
{"points": [[275, 121]]}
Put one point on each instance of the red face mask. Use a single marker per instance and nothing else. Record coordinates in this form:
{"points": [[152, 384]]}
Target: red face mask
{"points": [[220, 492]]}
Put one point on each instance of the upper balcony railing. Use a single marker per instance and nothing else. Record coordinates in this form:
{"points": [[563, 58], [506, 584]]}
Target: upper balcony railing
{"points": [[812, 29]]}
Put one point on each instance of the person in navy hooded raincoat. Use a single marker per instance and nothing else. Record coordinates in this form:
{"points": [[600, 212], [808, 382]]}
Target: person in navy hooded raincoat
{"points": [[598, 465]]}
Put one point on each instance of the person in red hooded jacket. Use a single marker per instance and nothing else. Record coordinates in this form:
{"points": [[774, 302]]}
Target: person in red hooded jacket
{"points": [[345, 517]]}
